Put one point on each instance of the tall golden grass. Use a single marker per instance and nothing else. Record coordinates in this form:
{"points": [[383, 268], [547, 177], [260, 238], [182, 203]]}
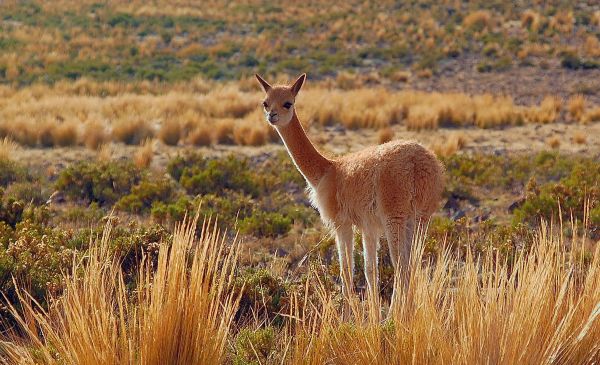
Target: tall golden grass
{"points": [[8, 148], [181, 310], [541, 306], [56, 115]]}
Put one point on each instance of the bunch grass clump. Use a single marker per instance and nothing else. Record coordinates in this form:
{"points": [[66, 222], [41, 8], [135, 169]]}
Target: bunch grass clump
{"points": [[97, 320]]}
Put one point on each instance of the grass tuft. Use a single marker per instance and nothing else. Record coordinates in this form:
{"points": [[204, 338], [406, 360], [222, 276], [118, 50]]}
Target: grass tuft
{"points": [[144, 154], [97, 321]]}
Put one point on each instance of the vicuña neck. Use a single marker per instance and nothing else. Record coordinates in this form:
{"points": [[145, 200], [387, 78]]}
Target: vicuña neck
{"points": [[310, 162]]}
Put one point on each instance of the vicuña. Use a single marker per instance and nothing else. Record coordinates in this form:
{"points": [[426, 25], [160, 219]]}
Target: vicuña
{"points": [[382, 190]]}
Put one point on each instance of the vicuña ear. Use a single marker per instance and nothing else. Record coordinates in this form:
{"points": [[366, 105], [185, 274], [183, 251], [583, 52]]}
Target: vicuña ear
{"points": [[298, 84], [265, 85]]}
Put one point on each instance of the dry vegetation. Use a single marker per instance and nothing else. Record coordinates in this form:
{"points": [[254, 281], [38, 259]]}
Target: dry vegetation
{"points": [[97, 321], [454, 310], [489, 283], [204, 112], [172, 42]]}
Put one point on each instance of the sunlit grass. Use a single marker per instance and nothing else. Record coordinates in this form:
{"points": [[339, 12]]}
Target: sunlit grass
{"points": [[540, 306]]}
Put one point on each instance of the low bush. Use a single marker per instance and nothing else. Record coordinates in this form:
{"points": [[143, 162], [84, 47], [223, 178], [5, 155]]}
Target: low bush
{"points": [[145, 194], [11, 171], [254, 347], [265, 224], [101, 182], [569, 196], [199, 175], [262, 293]]}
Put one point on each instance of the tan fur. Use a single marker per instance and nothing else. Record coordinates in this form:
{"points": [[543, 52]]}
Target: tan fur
{"points": [[382, 190]]}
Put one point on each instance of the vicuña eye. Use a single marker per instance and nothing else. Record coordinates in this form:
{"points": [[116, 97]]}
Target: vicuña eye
{"points": [[265, 104], [287, 105]]}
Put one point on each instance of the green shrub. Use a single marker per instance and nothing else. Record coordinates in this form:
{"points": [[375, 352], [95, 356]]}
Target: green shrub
{"points": [[568, 196], [200, 175], [30, 192], [35, 256], [265, 224], [254, 347], [11, 210], [145, 194], [101, 182], [262, 293], [11, 171]]}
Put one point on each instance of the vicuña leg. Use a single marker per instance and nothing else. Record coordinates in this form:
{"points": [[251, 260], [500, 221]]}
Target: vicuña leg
{"points": [[396, 234], [343, 238], [370, 242]]}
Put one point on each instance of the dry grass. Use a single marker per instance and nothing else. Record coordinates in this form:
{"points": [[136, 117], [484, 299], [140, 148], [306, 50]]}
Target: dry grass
{"points": [[547, 112], [531, 20], [592, 115], [170, 132], [200, 136], [553, 142], [94, 135], [450, 145], [29, 116], [131, 131], [540, 307], [576, 107], [563, 21], [7, 148], [422, 117], [144, 154], [223, 131], [579, 137], [105, 153], [478, 19], [65, 134], [250, 134], [180, 313], [385, 135]]}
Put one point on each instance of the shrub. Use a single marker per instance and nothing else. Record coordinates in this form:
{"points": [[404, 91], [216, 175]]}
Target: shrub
{"points": [[36, 255], [145, 194], [27, 191], [11, 171], [11, 211], [200, 175], [254, 347], [262, 293], [101, 182], [265, 224], [570, 193]]}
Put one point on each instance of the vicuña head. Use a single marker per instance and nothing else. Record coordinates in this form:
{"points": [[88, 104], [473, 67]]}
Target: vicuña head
{"points": [[386, 190], [279, 101]]}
